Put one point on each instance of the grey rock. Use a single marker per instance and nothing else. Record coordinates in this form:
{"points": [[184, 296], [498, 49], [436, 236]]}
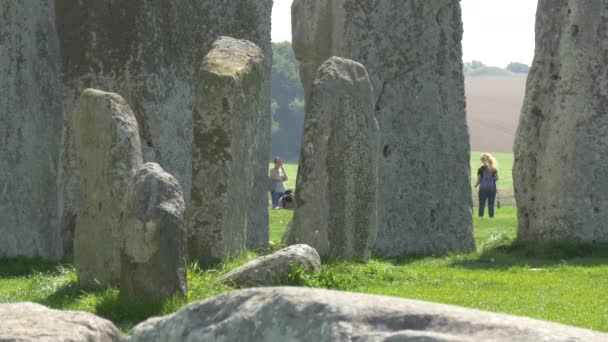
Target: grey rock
{"points": [[301, 314], [412, 51], [560, 173], [274, 268], [149, 52], [336, 211], [153, 254], [29, 322], [228, 104], [30, 126], [108, 153]]}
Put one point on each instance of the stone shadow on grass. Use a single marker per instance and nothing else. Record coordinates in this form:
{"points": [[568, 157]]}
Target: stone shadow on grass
{"points": [[537, 255], [21, 267], [126, 313]]}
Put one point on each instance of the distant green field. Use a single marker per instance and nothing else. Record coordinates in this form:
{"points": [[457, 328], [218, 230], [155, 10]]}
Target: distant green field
{"points": [[505, 183]]}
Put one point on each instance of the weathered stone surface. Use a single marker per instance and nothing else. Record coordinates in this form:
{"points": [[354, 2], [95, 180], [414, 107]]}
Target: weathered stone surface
{"points": [[149, 52], [300, 314], [153, 254], [336, 212], [108, 154], [29, 322], [228, 102], [272, 269], [561, 166], [30, 130], [412, 51]]}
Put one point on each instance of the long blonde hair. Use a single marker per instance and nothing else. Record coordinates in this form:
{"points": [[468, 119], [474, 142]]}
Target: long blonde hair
{"points": [[492, 163]]}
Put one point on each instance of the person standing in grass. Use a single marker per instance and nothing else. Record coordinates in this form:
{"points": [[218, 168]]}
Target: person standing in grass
{"points": [[487, 175], [277, 177]]}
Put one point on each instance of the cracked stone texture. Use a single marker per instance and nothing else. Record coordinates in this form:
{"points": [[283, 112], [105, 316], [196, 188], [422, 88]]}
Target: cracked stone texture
{"points": [[30, 131], [561, 146], [412, 51], [153, 253], [29, 322], [272, 269], [336, 211], [149, 52], [108, 153], [228, 104], [304, 314]]}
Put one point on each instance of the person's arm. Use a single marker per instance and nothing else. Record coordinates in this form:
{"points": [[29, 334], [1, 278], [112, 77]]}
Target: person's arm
{"points": [[478, 180], [496, 178], [275, 176], [284, 174]]}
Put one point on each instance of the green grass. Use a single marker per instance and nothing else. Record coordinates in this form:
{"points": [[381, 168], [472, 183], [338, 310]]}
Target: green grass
{"points": [[560, 282]]}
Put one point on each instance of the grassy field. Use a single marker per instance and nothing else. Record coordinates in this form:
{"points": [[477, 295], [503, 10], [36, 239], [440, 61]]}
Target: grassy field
{"points": [[505, 165], [565, 283]]}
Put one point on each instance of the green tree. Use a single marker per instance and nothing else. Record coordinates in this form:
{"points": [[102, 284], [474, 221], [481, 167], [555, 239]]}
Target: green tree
{"points": [[518, 68], [288, 103]]}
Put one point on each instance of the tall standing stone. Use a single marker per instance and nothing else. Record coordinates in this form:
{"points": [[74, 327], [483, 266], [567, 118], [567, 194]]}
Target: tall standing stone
{"points": [[560, 172], [149, 52], [30, 130], [108, 153], [228, 104], [337, 180], [153, 253], [412, 51]]}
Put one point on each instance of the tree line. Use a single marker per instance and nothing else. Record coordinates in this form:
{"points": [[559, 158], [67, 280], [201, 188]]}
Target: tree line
{"points": [[288, 97]]}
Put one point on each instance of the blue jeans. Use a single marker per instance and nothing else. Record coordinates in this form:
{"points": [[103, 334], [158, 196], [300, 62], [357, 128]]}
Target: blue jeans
{"points": [[276, 196], [487, 195]]}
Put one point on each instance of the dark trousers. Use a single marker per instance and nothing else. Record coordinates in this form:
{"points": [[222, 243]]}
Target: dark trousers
{"points": [[487, 195], [276, 196]]}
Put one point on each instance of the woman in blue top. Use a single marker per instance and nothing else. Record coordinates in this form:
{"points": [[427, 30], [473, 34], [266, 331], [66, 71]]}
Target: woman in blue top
{"points": [[487, 175]]}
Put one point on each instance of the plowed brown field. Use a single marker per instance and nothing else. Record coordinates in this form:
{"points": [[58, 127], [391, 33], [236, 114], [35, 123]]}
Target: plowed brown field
{"points": [[493, 108]]}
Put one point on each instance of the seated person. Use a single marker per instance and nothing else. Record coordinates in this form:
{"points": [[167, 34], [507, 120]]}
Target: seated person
{"points": [[288, 200]]}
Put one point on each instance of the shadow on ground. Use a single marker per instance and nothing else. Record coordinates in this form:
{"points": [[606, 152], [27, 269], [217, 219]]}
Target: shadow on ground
{"points": [[21, 267], [537, 255]]}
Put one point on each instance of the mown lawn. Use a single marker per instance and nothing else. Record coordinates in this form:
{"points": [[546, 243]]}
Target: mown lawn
{"points": [[565, 283]]}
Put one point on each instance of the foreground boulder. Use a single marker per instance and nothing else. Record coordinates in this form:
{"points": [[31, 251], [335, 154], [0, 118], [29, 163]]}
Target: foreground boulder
{"points": [[301, 314], [29, 322], [412, 51], [561, 149], [153, 255], [228, 103], [336, 212], [274, 268], [108, 154]]}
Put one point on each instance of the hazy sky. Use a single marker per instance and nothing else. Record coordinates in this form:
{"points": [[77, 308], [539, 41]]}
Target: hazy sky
{"points": [[496, 32]]}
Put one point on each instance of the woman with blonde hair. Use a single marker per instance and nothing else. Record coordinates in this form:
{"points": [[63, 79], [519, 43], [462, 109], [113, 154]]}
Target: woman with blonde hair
{"points": [[487, 175]]}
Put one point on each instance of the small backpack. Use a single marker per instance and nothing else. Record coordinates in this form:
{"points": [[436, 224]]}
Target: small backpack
{"points": [[487, 181]]}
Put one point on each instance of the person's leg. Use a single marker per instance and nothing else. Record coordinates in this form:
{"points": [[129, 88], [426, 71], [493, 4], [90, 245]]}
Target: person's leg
{"points": [[482, 202], [491, 198], [275, 199]]}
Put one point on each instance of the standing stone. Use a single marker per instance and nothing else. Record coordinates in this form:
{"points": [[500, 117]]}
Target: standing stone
{"points": [[149, 52], [30, 130], [412, 50], [337, 180], [108, 153], [560, 172], [153, 254], [228, 103]]}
